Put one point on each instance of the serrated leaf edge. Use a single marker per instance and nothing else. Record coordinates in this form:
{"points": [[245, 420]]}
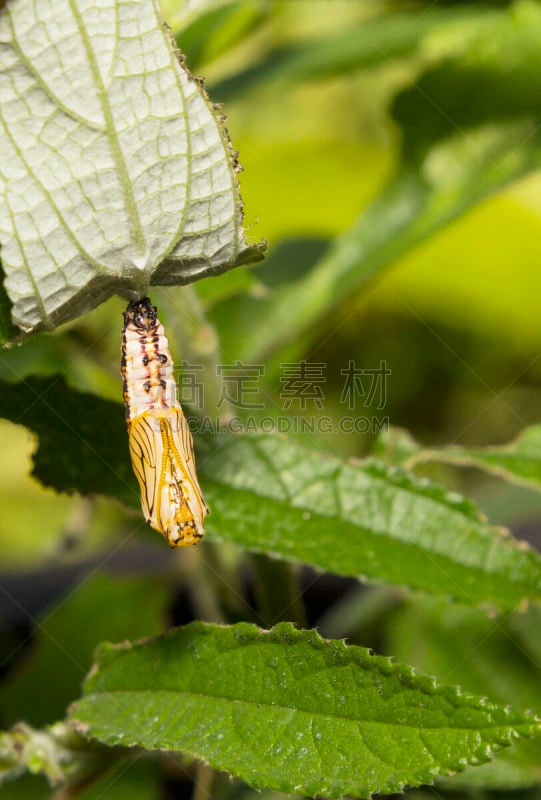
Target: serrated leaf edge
{"points": [[286, 632]]}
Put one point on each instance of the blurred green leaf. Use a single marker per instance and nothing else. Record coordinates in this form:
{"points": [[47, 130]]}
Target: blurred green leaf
{"points": [[454, 153], [52, 670], [238, 281], [287, 710], [454, 176], [270, 495], [218, 28], [25, 543], [519, 461], [494, 63], [370, 44], [468, 648], [395, 446], [179, 14], [83, 442]]}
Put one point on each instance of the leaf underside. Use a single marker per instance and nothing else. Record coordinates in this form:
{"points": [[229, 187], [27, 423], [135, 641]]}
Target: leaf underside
{"points": [[116, 171]]}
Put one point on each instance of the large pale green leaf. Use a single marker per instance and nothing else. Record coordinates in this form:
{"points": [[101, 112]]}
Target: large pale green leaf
{"points": [[481, 654], [287, 710], [116, 171], [269, 494]]}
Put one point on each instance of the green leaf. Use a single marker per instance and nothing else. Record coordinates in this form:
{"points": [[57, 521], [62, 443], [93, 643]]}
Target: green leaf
{"points": [[368, 45], [519, 461], [82, 438], [212, 29], [270, 495], [454, 176], [239, 281], [480, 654], [395, 446], [287, 710], [454, 154], [117, 172], [362, 519], [180, 16], [495, 62], [52, 670]]}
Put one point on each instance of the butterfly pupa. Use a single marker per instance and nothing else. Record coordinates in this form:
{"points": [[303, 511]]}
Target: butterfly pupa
{"points": [[160, 442]]}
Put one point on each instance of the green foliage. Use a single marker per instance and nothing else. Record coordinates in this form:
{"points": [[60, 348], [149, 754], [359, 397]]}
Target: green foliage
{"points": [[270, 495], [477, 67], [455, 175], [460, 154], [98, 608], [489, 656], [371, 44], [77, 451], [289, 711], [275, 497], [519, 461], [124, 779], [368, 132]]}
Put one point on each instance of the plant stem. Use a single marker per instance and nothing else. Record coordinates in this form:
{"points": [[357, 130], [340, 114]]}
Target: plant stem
{"points": [[277, 591], [202, 784], [359, 608], [201, 583]]}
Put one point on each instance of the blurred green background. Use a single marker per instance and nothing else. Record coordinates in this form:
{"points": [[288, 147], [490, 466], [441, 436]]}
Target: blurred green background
{"points": [[392, 159]]}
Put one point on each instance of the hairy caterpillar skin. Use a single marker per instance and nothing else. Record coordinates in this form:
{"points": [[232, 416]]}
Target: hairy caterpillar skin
{"points": [[160, 442]]}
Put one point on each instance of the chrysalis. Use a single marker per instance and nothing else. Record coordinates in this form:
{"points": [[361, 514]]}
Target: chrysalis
{"points": [[161, 446]]}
